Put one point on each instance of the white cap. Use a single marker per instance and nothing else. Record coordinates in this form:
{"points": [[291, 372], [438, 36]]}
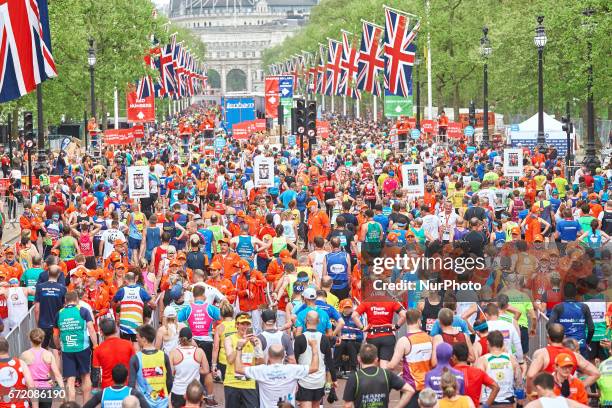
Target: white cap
{"points": [[169, 312], [310, 293]]}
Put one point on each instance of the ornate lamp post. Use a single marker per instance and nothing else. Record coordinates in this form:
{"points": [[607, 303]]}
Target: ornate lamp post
{"points": [[485, 52], [591, 161], [91, 61], [540, 42]]}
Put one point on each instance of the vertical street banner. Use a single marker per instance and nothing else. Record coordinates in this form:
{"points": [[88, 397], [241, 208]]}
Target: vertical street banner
{"points": [[272, 96], [413, 179], [140, 110], [264, 171], [513, 162], [138, 181], [285, 87], [322, 129], [395, 106]]}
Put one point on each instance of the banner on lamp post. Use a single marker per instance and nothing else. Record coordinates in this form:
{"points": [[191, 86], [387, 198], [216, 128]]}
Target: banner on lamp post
{"points": [[140, 110]]}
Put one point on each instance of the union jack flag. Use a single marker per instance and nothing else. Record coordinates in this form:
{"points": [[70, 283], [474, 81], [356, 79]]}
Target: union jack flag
{"points": [[332, 69], [25, 47], [349, 68], [321, 80], [166, 70], [369, 61], [400, 51], [178, 70], [144, 87]]}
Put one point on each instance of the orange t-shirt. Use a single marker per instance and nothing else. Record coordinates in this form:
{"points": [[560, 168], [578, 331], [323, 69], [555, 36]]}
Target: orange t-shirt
{"points": [[577, 391], [533, 228]]}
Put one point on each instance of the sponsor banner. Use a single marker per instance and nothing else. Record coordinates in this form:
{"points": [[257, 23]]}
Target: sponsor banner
{"points": [[272, 97], [138, 181], [322, 129], [395, 106], [118, 136], [260, 125], [140, 110], [240, 131], [454, 130], [138, 131], [513, 162], [429, 126], [238, 110], [413, 179]]}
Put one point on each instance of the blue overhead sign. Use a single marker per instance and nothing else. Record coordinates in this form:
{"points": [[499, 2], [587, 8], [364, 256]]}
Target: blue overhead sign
{"points": [[238, 110], [285, 86]]}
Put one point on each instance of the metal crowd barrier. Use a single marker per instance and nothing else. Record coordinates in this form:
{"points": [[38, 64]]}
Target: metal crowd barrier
{"points": [[19, 336], [540, 340]]}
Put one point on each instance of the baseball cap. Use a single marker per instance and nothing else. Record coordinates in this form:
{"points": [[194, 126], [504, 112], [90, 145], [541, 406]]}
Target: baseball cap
{"points": [[310, 293], [302, 276], [215, 265], [564, 360], [169, 312], [312, 204], [13, 281], [344, 303], [538, 238], [268, 316], [516, 230], [392, 237], [243, 319]]}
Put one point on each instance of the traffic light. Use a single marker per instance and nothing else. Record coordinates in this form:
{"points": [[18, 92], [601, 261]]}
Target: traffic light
{"points": [[565, 122], [281, 114], [300, 117], [28, 129], [311, 118], [472, 114]]}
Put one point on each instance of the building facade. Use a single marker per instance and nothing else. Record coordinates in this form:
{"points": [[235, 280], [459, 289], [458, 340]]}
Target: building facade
{"points": [[236, 33]]}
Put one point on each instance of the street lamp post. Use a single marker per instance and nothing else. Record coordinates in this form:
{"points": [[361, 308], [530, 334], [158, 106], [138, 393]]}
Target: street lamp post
{"points": [[41, 164], [91, 60], [485, 51], [591, 161], [540, 41]]}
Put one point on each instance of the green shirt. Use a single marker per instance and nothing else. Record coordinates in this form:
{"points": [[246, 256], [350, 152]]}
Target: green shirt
{"points": [[604, 383], [72, 325], [561, 185], [521, 302], [585, 222], [29, 279], [67, 248]]}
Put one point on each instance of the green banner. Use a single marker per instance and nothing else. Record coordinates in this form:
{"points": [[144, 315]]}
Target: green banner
{"points": [[398, 106], [287, 106]]}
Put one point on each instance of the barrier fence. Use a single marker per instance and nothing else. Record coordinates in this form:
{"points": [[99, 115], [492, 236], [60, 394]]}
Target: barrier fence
{"points": [[19, 336]]}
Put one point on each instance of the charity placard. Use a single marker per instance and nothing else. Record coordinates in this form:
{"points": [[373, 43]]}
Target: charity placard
{"points": [[413, 179], [513, 162], [264, 171], [138, 181]]}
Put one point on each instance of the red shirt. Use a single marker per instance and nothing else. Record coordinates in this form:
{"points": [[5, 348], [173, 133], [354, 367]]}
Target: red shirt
{"points": [[111, 352], [379, 313], [473, 380]]}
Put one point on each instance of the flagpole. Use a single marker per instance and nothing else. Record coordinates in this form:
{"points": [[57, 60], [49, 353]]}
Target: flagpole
{"points": [[116, 108], [322, 103], [375, 98], [343, 105], [332, 103], [358, 102], [402, 12], [429, 93], [371, 23]]}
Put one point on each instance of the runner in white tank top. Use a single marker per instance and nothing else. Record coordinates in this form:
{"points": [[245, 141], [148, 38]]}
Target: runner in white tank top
{"points": [[186, 363], [553, 402]]}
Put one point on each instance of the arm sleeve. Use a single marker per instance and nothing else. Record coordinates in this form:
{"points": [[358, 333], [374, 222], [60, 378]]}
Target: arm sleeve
{"points": [[94, 401], [37, 294], [327, 356], [85, 314], [118, 296], [286, 341], [299, 346], [435, 329], [184, 313], [144, 295], [589, 322], [134, 367], [214, 312], [141, 398], [169, 377], [395, 381], [350, 389]]}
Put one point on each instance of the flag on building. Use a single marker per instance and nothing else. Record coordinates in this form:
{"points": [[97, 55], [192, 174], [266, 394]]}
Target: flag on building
{"points": [[25, 47]]}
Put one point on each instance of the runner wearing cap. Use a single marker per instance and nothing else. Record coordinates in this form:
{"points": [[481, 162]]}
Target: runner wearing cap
{"points": [[565, 383], [324, 324], [239, 390], [544, 385], [227, 259], [271, 335]]}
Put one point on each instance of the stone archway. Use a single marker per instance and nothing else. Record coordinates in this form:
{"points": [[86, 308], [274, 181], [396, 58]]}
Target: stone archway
{"points": [[236, 80], [214, 78]]}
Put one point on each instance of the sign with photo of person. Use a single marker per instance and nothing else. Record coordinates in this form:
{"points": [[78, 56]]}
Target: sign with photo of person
{"points": [[264, 171], [138, 181], [513, 162], [413, 179]]}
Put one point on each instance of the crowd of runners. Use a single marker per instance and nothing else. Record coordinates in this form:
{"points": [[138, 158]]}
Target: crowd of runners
{"points": [[275, 293]]}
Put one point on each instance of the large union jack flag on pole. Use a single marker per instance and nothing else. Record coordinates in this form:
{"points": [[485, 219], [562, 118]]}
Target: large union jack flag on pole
{"points": [[349, 67], [332, 69], [25, 47], [399, 51], [370, 62], [321, 81]]}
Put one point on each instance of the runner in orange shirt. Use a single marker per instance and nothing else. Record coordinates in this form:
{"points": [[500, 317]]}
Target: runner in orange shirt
{"points": [[226, 258], [318, 222], [222, 284]]}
